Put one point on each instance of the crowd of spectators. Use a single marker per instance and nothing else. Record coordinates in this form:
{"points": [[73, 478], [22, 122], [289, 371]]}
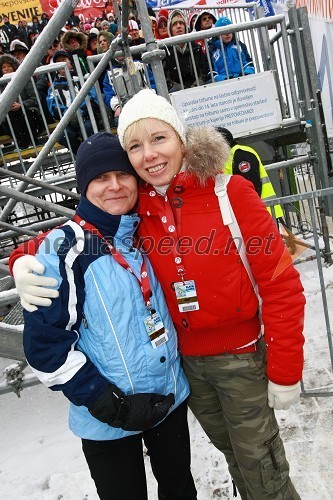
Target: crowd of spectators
{"points": [[77, 38], [185, 65]]}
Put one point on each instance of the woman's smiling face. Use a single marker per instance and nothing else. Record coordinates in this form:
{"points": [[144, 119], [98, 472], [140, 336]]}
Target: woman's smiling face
{"points": [[155, 151], [114, 192]]}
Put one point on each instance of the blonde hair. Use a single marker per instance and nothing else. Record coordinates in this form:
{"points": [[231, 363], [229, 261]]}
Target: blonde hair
{"points": [[142, 127]]}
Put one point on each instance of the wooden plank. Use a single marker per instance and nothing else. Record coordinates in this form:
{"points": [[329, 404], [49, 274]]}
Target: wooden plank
{"points": [[5, 139], [27, 153]]}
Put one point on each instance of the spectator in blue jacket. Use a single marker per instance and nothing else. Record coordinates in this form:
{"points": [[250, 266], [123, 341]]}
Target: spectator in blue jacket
{"points": [[234, 53], [59, 99], [107, 341]]}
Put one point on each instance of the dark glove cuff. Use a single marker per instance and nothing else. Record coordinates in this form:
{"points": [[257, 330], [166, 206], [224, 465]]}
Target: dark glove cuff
{"points": [[121, 403], [111, 407]]}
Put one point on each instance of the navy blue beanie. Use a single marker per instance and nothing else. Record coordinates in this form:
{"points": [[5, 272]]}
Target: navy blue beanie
{"points": [[98, 154]]}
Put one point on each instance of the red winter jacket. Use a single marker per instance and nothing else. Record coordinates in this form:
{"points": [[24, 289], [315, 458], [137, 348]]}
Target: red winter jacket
{"points": [[227, 317]]}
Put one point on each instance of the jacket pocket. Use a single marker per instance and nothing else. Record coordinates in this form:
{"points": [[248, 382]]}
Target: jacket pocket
{"points": [[256, 360]]}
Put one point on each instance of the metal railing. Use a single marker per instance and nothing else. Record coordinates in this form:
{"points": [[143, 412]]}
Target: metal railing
{"points": [[11, 335]]}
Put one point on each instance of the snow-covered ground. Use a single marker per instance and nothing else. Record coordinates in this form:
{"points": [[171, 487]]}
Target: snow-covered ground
{"points": [[41, 460]]}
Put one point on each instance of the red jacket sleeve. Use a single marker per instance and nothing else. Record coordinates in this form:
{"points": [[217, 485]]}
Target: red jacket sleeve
{"points": [[278, 281], [27, 248]]}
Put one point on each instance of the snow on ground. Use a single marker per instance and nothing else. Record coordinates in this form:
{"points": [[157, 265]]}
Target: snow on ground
{"points": [[40, 459]]}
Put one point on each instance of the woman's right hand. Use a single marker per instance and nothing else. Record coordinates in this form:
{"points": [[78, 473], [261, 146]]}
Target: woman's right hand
{"points": [[33, 289]]}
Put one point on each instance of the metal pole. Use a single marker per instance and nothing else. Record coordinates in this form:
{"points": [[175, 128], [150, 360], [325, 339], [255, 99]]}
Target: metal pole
{"points": [[322, 281], [30, 63], [10, 387], [289, 70], [154, 55], [37, 182], [131, 79], [327, 192], [288, 163], [44, 225], [18, 230], [32, 200]]}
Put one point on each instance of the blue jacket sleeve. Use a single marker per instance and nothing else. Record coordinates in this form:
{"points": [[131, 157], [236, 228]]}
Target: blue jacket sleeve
{"points": [[50, 101], [52, 104], [93, 96], [51, 333], [108, 89], [151, 78]]}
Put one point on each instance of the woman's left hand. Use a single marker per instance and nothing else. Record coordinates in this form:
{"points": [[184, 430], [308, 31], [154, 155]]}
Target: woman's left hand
{"points": [[281, 397]]}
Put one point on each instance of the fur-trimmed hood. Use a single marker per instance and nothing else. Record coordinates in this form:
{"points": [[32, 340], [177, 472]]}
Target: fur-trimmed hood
{"points": [[206, 152], [81, 37], [7, 58]]}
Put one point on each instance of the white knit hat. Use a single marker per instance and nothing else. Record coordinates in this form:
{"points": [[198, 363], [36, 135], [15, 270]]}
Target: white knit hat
{"points": [[147, 104]]}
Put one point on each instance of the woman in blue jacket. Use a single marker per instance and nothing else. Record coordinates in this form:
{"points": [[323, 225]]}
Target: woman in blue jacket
{"points": [[231, 61], [107, 341]]}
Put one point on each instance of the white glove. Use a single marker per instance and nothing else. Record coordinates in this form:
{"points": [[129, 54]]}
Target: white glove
{"points": [[281, 397], [31, 287]]}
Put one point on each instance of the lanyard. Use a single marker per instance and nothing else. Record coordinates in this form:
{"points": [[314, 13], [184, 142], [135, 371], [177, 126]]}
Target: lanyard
{"points": [[144, 282], [170, 228]]}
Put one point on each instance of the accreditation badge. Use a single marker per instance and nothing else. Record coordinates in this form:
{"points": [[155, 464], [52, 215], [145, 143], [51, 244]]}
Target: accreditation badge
{"points": [[155, 329], [186, 294]]}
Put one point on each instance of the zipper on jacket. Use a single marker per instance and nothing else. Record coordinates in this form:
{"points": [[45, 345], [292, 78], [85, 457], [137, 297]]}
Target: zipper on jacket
{"points": [[100, 295], [269, 444], [84, 320]]}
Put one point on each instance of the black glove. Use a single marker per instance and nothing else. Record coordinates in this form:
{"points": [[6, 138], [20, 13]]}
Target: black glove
{"points": [[137, 412]]}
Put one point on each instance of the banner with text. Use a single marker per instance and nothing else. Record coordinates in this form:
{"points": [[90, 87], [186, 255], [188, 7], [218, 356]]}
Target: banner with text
{"points": [[18, 10], [244, 105]]}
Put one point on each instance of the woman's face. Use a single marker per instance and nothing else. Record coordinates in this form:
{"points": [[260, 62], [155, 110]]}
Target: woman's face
{"points": [[157, 156], [73, 43], [103, 43], [93, 44], [114, 192], [134, 34], [7, 68], [162, 28], [193, 19], [227, 38], [20, 54], [54, 48]]}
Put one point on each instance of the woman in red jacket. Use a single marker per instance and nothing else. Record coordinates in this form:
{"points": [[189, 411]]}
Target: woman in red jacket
{"points": [[210, 296], [237, 377]]}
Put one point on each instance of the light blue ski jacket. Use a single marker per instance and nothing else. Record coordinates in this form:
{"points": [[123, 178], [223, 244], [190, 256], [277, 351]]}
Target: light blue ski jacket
{"points": [[94, 333]]}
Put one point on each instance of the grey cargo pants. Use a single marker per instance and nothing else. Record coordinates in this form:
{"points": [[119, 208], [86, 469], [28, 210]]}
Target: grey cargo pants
{"points": [[229, 399]]}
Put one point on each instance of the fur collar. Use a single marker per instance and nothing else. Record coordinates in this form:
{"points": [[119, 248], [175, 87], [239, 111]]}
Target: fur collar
{"points": [[206, 152]]}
